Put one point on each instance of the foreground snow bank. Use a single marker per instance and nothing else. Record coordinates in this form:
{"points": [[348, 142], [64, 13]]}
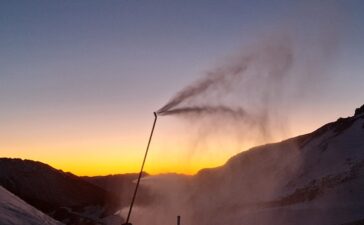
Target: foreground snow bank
{"points": [[14, 211]]}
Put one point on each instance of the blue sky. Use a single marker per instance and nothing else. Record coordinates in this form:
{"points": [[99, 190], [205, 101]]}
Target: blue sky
{"points": [[69, 68]]}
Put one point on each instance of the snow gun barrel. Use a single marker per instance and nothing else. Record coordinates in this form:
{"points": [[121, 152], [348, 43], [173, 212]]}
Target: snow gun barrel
{"points": [[141, 170]]}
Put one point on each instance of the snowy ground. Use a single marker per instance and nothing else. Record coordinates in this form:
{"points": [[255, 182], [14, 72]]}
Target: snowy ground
{"points": [[14, 211]]}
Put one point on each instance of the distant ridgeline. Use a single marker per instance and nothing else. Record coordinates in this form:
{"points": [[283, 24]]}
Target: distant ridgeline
{"points": [[359, 111]]}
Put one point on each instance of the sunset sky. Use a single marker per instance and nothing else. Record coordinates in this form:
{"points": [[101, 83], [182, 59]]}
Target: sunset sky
{"points": [[79, 80]]}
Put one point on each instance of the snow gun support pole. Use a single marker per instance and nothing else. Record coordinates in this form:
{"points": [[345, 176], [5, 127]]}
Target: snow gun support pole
{"points": [[141, 171], [178, 220]]}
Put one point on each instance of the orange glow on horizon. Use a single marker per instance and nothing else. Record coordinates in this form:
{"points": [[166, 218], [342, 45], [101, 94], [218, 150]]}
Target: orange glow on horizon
{"points": [[102, 151], [96, 165]]}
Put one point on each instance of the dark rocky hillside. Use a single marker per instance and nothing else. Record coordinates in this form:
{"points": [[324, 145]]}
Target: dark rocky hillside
{"points": [[64, 196], [121, 185]]}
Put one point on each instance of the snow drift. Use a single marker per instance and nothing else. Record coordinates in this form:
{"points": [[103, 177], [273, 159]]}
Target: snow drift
{"points": [[14, 211]]}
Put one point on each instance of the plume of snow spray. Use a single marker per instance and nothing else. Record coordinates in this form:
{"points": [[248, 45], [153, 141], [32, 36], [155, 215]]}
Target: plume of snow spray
{"points": [[252, 93], [277, 59], [245, 91]]}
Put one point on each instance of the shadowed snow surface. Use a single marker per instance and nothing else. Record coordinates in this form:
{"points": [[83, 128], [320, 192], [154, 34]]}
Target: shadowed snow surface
{"points": [[14, 211]]}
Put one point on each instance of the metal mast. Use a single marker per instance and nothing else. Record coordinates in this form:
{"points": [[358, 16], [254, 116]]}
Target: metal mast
{"points": [[141, 171]]}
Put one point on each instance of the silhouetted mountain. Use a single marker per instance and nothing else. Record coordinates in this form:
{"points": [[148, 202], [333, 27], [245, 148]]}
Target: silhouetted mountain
{"points": [[121, 185], [14, 211], [62, 195]]}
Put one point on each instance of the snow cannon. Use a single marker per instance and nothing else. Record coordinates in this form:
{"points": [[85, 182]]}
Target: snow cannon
{"points": [[141, 171]]}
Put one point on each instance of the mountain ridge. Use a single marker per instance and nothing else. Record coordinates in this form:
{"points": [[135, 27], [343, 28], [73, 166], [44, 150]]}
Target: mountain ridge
{"points": [[59, 194]]}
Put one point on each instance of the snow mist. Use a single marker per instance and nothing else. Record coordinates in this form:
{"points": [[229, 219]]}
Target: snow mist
{"points": [[243, 91], [252, 94]]}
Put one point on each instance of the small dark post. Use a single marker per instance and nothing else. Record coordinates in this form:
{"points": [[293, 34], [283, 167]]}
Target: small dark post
{"points": [[178, 220]]}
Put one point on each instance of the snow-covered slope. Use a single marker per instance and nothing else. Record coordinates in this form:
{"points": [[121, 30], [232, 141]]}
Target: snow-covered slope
{"points": [[14, 211], [316, 178], [313, 179]]}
